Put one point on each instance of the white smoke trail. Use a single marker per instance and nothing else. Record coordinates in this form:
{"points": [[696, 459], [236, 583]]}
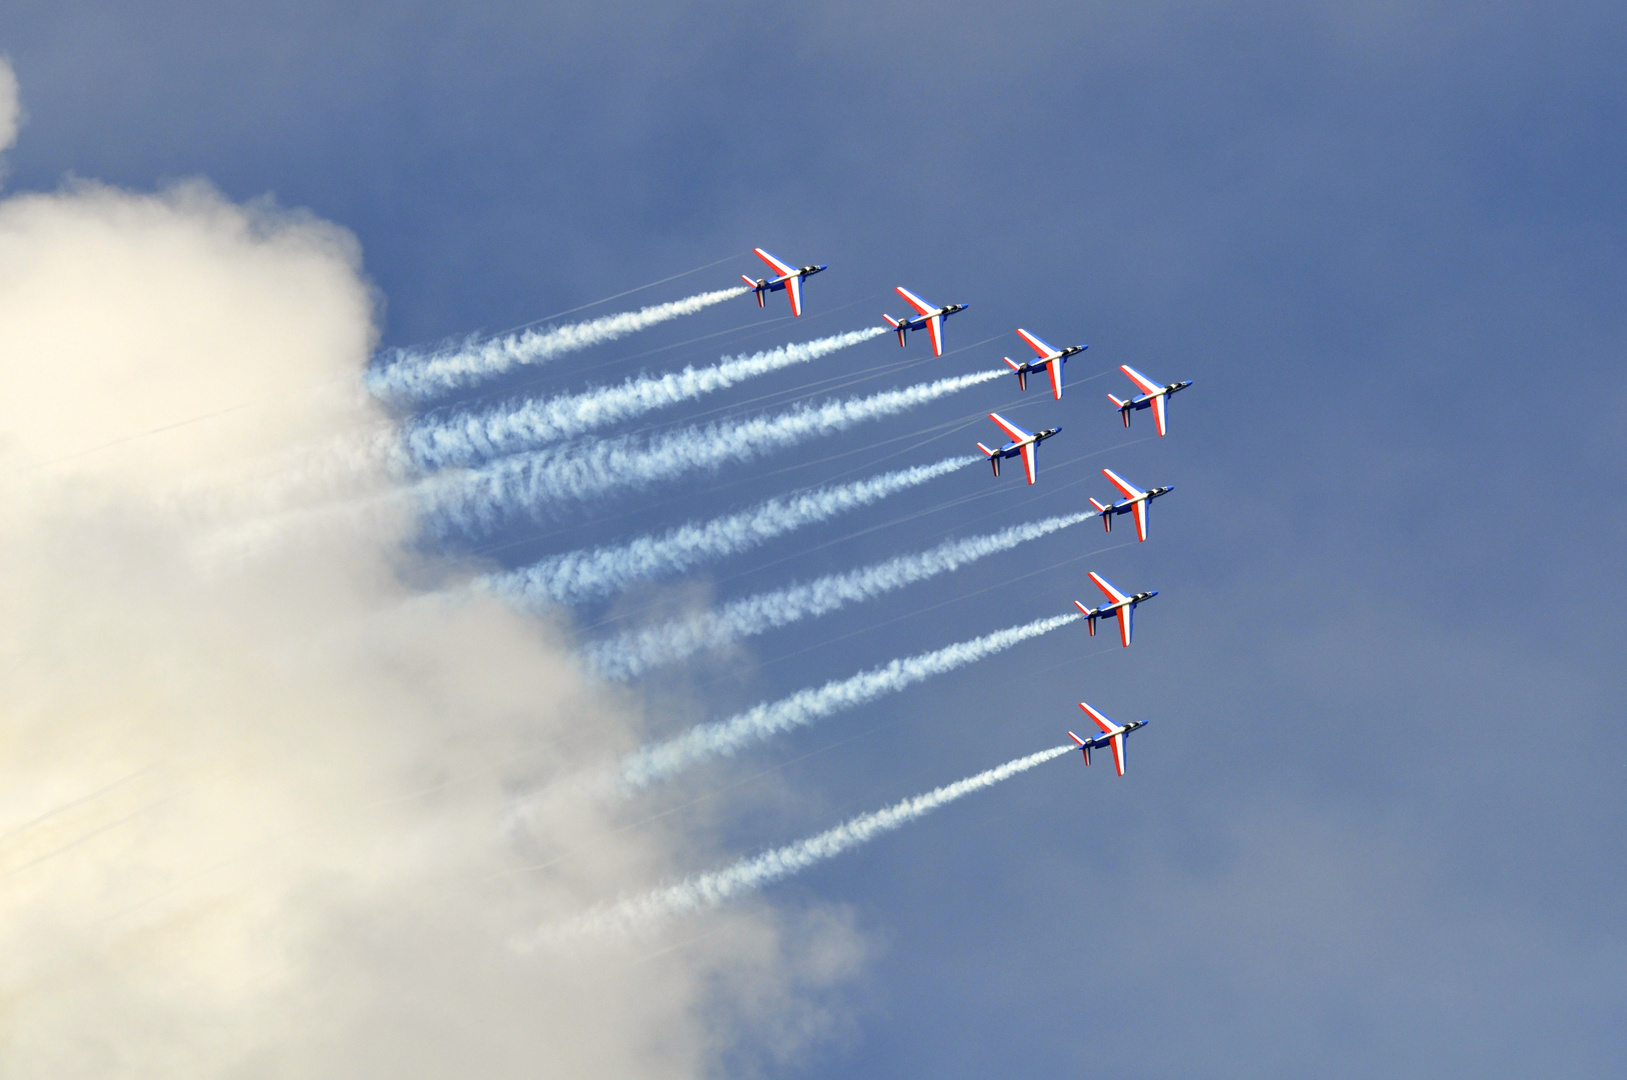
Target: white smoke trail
{"points": [[469, 436], [591, 574], [414, 376], [530, 483], [644, 766], [629, 655], [711, 889]]}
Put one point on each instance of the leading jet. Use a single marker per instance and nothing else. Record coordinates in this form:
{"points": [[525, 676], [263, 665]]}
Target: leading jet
{"points": [[926, 316], [1152, 397], [1022, 442], [1134, 502], [1113, 736], [1050, 359], [789, 279], [1120, 604]]}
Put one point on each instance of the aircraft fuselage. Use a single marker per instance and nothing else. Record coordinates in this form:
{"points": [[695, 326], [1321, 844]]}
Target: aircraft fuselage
{"points": [[778, 284]]}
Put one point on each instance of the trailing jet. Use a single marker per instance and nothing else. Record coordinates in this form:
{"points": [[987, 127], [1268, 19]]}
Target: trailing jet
{"points": [[1113, 736], [1022, 442], [789, 279], [1134, 502], [928, 316], [1119, 604], [1152, 397], [1050, 359]]}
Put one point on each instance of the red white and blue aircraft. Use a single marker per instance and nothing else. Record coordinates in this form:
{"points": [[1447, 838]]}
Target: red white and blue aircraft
{"points": [[1152, 397], [1119, 604], [1112, 736], [1022, 442], [926, 316], [1050, 359], [789, 279], [1134, 502]]}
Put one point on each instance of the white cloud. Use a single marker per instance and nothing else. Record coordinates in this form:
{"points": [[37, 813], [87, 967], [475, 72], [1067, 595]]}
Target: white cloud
{"points": [[249, 806]]}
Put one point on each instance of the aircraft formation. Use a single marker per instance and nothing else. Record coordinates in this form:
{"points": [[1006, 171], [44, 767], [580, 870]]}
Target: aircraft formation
{"points": [[1148, 395]]}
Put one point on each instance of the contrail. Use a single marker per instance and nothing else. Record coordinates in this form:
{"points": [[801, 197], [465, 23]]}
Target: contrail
{"points": [[468, 436], [594, 573], [531, 483], [417, 375], [711, 889], [629, 655], [643, 767]]}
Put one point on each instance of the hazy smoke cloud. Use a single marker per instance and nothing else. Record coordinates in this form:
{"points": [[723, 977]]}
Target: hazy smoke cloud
{"points": [[11, 106], [249, 805], [414, 376], [532, 484], [594, 573], [631, 654], [467, 436], [657, 762], [639, 913]]}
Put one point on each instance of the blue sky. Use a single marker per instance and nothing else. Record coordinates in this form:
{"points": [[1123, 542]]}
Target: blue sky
{"points": [[1376, 827]]}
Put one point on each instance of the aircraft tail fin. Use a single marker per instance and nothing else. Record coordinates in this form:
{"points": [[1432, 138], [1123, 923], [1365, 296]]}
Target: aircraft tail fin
{"points": [[1022, 372], [1107, 518], [755, 286], [993, 455], [1082, 744], [1089, 614], [1122, 406], [898, 328]]}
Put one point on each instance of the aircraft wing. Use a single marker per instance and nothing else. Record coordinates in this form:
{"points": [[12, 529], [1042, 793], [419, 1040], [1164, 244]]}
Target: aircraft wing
{"points": [[793, 289], [1107, 588], [934, 326], [1117, 742], [1041, 349], [1126, 615], [1128, 489], [1160, 413], [1147, 385], [921, 306], [779, 268], [1054, 367], [1140, 507], [1030, 461], [1107, 726], [1015, 433]]}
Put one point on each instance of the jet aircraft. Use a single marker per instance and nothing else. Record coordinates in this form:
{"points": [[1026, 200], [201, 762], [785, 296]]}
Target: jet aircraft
{"points": [[789, 279], [1022, 442], [1050, 359], [1152, 397], [1134, 502], [1120, 604], [926, 315], [1113, 736]]}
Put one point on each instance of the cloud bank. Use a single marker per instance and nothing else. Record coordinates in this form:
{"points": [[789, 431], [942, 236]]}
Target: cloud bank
{"points": [[250, 802]]}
